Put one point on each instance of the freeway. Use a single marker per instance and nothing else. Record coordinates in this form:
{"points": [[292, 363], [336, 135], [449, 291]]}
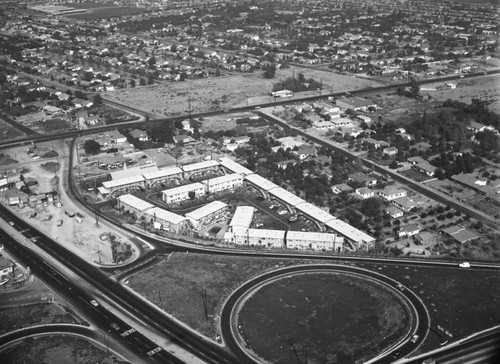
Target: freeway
{"points": [[86, 303], [483, 349], [405, 347], [295, 99], [113, 292]]}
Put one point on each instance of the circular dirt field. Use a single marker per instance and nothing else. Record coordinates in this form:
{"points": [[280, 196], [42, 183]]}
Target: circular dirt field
{"points": [[324, 317]]}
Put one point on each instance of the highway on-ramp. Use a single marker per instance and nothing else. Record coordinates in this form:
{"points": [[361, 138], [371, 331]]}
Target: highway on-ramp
{"points": [[406, 347]]}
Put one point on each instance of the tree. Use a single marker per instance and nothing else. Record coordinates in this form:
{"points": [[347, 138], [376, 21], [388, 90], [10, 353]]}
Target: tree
{"points": [[91, 147], [371, 207], [97, 99], [270, 72], [414, 88], [191, 195]]}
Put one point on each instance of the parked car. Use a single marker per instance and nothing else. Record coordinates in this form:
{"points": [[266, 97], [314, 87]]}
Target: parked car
{"points": [[282, 212]]}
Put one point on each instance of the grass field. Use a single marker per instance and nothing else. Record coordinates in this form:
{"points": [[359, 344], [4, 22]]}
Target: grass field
{"points": [[185, 277], [176, 98], [330, 317], [462, 301], [56, 350], [14, 318]]}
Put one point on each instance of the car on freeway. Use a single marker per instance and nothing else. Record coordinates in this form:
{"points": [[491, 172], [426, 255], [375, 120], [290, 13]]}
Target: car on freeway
{"points": [[401, 287], [414, 338], [396, 354], [11, 223], [464, 265], [115, 326], [94, 303]]}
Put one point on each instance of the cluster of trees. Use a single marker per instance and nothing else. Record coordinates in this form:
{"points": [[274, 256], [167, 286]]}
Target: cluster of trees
{"points": [[450, 164], [297, 84]]}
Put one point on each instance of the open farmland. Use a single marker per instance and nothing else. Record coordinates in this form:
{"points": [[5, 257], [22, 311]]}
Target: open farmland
{"points": [[171, 99]]}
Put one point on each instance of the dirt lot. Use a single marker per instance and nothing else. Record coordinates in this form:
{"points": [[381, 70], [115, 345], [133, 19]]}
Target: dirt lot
{"points": [[220, 93], [485, 88], [82, 238]]}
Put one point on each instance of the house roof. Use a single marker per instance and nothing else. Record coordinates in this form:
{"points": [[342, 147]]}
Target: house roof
{"points": [[135, 202]]}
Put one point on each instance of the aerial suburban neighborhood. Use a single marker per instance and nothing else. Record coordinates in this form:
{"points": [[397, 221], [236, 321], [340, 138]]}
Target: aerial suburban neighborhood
{"points": [[256, 181]]}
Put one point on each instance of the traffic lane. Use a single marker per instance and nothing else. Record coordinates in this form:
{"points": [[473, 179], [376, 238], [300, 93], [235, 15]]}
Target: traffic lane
{"points": [[405, 348], [135, 306], [86, 303]]}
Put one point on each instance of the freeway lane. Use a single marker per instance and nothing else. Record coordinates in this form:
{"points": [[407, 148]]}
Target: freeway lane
{"points": [[228, 315], [120, 296], [78, 296], [100, 129], [483, 349]]}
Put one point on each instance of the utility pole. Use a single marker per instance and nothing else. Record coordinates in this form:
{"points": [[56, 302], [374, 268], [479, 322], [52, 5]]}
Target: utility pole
{"points": [[99, 253], [292, 344], [205, 302]]}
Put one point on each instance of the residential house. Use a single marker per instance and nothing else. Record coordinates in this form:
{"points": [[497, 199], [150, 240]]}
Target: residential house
{"points": [[342, 188], [362, 179], [365, 192], [390, 151], [394, 212], [140, 135], [460, 234], [408, 230], [391, 193], [404, 203]]}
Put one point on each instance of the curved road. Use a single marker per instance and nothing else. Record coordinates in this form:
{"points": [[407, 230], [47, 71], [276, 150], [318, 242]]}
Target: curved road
{"points": [[228, 320]]}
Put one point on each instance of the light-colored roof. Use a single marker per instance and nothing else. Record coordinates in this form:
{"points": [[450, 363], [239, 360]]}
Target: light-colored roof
{"points": [[206, 210], [162, 173], [266, 233], [390, 191], [234, 166], [260, 182], [313, 236], [200, 165], [242, 216], [165, 215], [183, 189], [350, 232], [122, 182], [135, 202], [223, 179], [314, 212], [286, 196], [134, 171]]}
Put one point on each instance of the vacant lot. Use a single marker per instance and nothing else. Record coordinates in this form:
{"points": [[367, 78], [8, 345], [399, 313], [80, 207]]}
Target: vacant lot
{"points": [[486, 88], [14, 318], [187, 277], [330, 317], [221, 93], [461, 301], [57, 350]]}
